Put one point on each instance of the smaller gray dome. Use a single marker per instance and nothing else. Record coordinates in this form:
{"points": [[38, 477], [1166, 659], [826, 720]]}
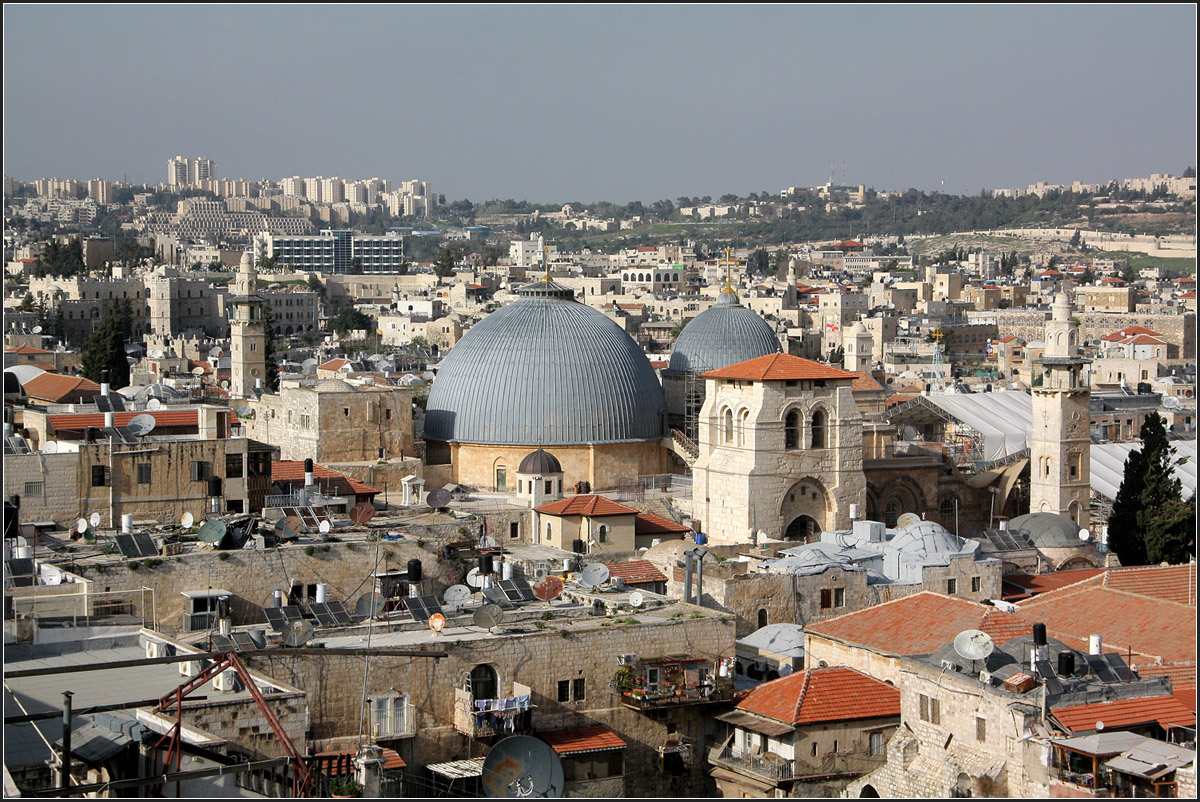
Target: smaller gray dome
{"points": [[722, 335], [333, 386], [540, 461], [1047, 530], [926, 539]]}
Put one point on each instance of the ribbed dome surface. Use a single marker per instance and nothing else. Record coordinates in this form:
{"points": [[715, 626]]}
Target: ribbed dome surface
{"points": [[545, 370], [540, 461], [722, 335], [1047, 530]]}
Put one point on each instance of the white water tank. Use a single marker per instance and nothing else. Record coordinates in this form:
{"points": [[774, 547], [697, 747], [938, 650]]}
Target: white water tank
{"points": [[1095, 644]]}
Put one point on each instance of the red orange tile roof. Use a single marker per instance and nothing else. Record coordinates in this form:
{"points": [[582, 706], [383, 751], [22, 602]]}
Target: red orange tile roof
{"points": [[291, 472], [1129, 331], [1176, 583], [26, 349], [636, 572], [333, 364], [56, 387], [818, 695], [1034, 584], [778, 367], [163, 419], [864, 381], [1163, 710], [577, 740], [647, 523], [920, 624], [592, 506]]}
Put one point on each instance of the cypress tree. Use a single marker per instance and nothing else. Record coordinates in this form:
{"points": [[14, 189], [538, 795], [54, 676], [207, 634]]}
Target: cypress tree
{"points": [[1167, 522], [104, 349], [1124, 538]]}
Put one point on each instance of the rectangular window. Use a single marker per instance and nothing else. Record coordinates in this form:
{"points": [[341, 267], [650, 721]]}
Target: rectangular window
{"points": [[564, 690], [935, 711], [976, 584], [387, 414], [839, 597], [35, 489], [201, 471], [826, 598], [143, 473], [980, 729], [100, 476], [233, 466], [876, 743], [577, 689], [952, 586], [514, 529]]}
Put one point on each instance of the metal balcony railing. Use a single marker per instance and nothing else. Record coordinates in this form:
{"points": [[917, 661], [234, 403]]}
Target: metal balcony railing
{"points": [[769, 765], [400, 722]]}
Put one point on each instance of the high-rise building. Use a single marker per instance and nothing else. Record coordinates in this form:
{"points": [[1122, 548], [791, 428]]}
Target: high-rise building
{"points": [[203, 170], [100, 191], [179, 171], [293, 186]]}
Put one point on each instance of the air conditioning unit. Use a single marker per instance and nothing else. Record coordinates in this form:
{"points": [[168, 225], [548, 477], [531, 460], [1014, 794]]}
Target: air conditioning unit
{"points": [[154, 649], [226, 681], [985, 677], [190, 668], [626, 659], [949, 665]]}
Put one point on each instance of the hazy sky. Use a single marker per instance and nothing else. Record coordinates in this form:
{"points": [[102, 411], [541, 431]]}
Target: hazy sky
{"points": [[618, 103]]}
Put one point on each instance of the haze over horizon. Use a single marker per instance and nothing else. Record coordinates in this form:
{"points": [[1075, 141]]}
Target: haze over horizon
{"points": [[616, 103]]}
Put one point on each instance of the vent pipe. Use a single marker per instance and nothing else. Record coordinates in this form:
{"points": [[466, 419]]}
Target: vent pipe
{"points": [[308, 474], [104, 383], [66, 740]]}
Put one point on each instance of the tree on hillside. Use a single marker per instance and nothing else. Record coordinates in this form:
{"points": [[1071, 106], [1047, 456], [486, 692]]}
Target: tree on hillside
{"points": [[104, 349], [350, 319], [1150, 522], [1190, 172]]}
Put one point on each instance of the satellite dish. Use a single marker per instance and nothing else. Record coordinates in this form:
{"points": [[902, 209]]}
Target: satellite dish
{"points": [[284, 530], [488, 616], [155, 353], [488, 542], [438, 498], [973, 644], [212, 531], [37, 330], [594, 574], [297, 633], [637, 599], [197, 371], [474, 579], [94, 519], [141, 425], [187, 520], [214, 351], [437, 622], [1099, 726], [361, 513], [324, 527], [50, 447], [1084, 534], [457, 595], [907, 519], [224, 385], [154, 405], [785, 669], [244, 411], [549, 588], [522, 766], [81, 526], [369, 604], [308, 366], [1170, 402]]}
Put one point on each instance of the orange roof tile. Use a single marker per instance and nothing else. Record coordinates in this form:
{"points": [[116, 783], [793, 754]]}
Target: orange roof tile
{"points": [[391, 760], [816, 695], [164, 419], [1176, 583], [864, 382], [1166, 711], [26, 349], [291, 472], [592, 506], [1130, 331], [920, 624], [56, 387], [636, 572], [577, 740], [1182, 675], [778, 367], [647, 523], [1041, 583], [333, 364]]}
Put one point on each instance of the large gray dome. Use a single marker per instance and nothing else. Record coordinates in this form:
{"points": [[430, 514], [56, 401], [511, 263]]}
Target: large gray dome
{"points": [[545, 370], [722, 335], [1047, 530]]}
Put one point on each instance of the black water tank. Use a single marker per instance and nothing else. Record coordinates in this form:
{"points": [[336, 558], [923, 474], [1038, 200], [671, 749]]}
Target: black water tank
{"points": [[308, 466], [485, 563], [414, 570], [1039, 634], [577, 546], [214, 486], [1066, 664]]}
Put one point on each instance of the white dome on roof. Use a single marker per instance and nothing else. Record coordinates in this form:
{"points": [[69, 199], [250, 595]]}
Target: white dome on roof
{"points": [[24, 372], [333, 386], [926, 539]]}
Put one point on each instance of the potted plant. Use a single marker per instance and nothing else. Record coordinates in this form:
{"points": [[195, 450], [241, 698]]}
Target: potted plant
{"points": [[344, 787]]}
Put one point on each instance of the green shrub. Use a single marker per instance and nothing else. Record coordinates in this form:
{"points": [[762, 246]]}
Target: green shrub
{"points": [[310, 550]]}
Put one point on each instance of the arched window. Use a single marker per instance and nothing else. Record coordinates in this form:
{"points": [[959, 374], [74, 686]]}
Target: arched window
{"points": [[743, 426], [762, 618], [818, 429], [602, 534], [501, 479], [946, 508], [891, 511], [728, 423], [548, 531], [791, 430], [485, 684]]}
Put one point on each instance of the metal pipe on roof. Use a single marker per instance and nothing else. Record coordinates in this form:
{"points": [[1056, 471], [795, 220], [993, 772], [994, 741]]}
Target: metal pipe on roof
{"points": [[66, 739]]}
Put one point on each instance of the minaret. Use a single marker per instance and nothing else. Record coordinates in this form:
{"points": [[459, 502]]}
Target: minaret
{"points": [[247, 333], [1060, 454]]}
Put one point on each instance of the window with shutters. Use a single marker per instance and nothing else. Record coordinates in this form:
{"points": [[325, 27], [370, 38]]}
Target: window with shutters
{"points": [[577, 689], [100, 476], [143, 473], [564, 690], [826, 598]]}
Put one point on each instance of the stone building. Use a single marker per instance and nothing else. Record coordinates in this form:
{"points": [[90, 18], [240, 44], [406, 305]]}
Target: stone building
{"points": [[247, 334], [780, 450]]}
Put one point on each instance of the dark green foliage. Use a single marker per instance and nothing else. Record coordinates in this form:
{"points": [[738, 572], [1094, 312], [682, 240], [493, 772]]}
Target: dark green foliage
{"points": [[349, 319], [104, 349], [60, 260], [270, 346], [1124, 539]]}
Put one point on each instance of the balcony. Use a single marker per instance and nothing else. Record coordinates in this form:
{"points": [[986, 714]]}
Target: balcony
{"points": [[397, 722], [769, 766], [481, 718], [663, 682]]}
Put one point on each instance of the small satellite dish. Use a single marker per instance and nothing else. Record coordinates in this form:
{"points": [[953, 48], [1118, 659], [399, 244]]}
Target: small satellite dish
{"points": [[437, 622], [907, 519], [474, 579], [1170, 402], [457, 595], [594, 574], [293, 522], [141, 425], [284, 530], [37, 329], [214, 351], [244, 411], [488, 542], [785, 669], [361, 513], [1099, 726], [81, 526], [973, 644], [197, 371], [224, 385], [636, 599], [1084, 534], [94, 519], [154, 405], [324, 527], [212, 531], [488, 616], [50, 447], [187, 520], [369, 604], [548, 588], [539, 574], [522, 766], [155, 353], [297, 633], [438, 498]]}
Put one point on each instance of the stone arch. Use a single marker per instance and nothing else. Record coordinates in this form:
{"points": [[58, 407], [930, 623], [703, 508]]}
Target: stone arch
{"points": [[819, 427], [803, 528], [483, 681], [1075, 562], [727, 425], [868, 792], [948, 504], [904, 491], [743, 423], [809, 498], [500, 474]]}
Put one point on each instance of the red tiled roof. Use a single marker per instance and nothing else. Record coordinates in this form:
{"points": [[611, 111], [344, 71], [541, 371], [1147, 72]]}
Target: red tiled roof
{"points": [[1175, 583], [391, 760], [576, 740], [26, 349], [1034, 584], [167, 419], [56, 387], [592, 506], [1130, 331], [900, 398], [333, 364], [659, 363], [291, 472], [864, 381], [636, 572], [1166, 711], [820, 695], [647, 523], [920, 624], [778, 367], [1189, 294], [1143, 339], [1182, 675], [1007, 338]]}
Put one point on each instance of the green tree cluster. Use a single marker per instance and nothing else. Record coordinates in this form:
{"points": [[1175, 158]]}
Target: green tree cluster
{"points": [[104, 349], [350, 319]]}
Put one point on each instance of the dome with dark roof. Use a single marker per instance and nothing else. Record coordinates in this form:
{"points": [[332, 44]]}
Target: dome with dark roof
{"points": [[540, 462], [1047, 530], [549, 370], [722, 335]]}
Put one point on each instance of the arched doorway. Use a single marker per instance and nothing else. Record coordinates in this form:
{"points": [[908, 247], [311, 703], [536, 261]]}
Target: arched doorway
{"points": [[868, 792], [804, 529], [485, 682]]}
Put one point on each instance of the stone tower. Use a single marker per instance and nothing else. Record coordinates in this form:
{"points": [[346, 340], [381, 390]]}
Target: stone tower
{"points": [[780, 451], [859, 349], [247, 333], [1060, 454]]}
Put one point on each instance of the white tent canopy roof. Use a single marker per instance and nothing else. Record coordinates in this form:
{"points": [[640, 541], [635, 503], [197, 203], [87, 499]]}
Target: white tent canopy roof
{"points": [[1108, 466]]}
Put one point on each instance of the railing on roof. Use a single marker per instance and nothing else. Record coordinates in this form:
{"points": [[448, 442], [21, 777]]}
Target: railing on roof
{"points": [[769, 765]]}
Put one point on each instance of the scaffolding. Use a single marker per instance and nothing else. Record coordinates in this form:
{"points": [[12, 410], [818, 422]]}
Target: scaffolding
{"points": [[693, 398]]}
